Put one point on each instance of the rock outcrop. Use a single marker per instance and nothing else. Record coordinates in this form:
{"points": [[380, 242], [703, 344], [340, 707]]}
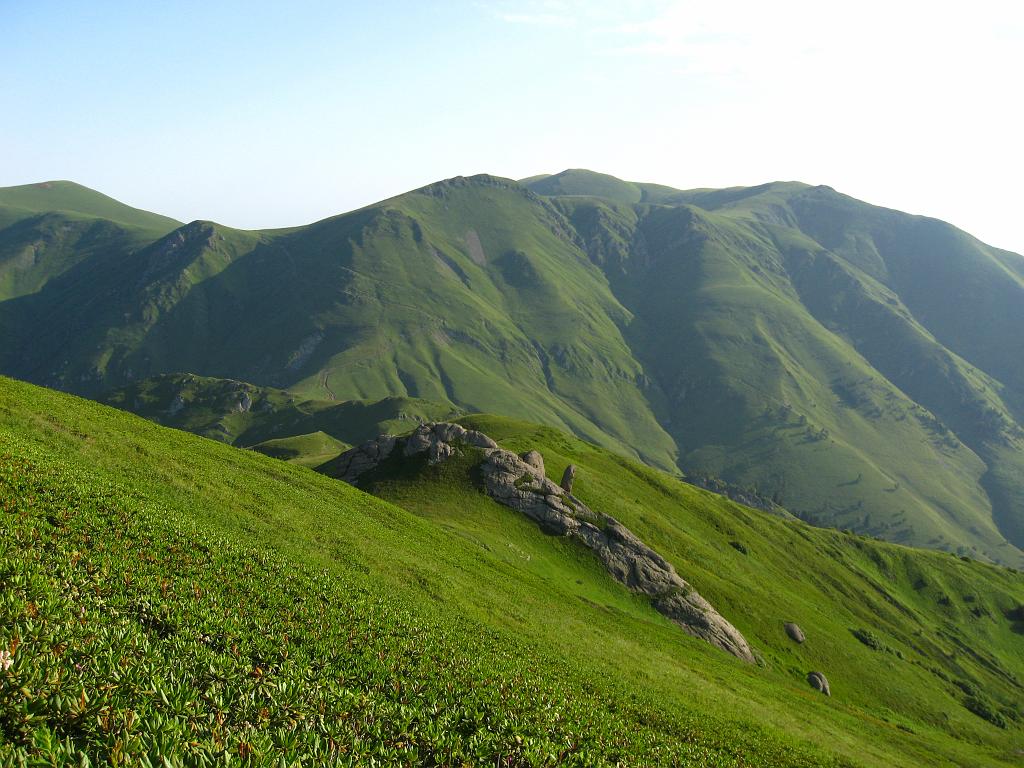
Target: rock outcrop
{"points": [[521, 484], [795, 633], [819, 682], [534, 459], [567, 477], [244, 403], [361, 459]]}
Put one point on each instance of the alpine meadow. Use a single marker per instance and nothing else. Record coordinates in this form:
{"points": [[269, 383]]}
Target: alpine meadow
{"points": [[511, 470], [800, 351]]}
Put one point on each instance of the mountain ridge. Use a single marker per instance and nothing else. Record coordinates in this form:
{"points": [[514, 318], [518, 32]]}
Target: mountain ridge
{"points": [[783, 337]]}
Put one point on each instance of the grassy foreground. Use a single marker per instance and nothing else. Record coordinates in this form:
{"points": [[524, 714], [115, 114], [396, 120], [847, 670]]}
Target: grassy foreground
{"points": [[167, 597]]}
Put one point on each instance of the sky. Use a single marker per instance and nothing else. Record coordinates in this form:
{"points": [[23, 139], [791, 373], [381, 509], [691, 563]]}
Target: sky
{"points": [[268, 114]]}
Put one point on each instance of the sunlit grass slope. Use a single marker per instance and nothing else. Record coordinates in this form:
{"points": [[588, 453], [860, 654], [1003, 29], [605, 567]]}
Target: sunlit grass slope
{"points": [[47, 229], [73, 199], [169, 595], [310, 450], [909, 639]]}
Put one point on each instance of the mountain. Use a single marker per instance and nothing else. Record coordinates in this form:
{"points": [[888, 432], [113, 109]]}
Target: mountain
{"points": [[858, 365], [47, 229], [74, 200], [171, 597], [854, 342]]}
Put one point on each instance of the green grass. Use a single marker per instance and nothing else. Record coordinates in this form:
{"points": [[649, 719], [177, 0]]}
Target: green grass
{"points": [[170, 597], [310, 450], [944, 623], [210, 601], [66, 197], [578, 181]]}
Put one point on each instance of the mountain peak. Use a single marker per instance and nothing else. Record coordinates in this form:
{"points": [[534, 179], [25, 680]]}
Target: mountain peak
{"points": [[69, 197], [585, 183]]}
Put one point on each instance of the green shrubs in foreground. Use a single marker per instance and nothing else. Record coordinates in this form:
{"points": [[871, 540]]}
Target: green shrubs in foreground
{"points": [[133, 638]]}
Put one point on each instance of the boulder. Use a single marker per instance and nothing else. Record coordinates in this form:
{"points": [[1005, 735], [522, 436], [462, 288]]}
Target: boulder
{"points": [[361, 459], [795, 633], [567, 477], [533, 459], [819, 682]]}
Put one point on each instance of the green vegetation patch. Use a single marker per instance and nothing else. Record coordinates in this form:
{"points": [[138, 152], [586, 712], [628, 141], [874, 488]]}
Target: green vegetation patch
{"points": [[166, 599]]}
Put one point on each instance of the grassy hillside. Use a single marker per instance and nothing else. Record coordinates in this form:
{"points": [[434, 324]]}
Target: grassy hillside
{"points": [[310, 450], [75, 200], [467, 292], [907, 636], [246, 415], [803, 371], [166, 595], [587, 183], [859, 366], [47, 229]]}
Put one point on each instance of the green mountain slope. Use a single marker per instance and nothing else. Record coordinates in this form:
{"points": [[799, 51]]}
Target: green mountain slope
{"points": [[858, 365], [800, 353], [174, 597], [46, 229], [470, 292], [244, 415], [781, 369], [75, 200], [310, 450]]}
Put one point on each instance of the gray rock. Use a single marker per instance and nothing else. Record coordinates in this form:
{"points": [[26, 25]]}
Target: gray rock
{"points": [[511, 481], [177, 405], [567, 477], [478, 439], [244, 403], [819, 682], [795, 633], [534, 459], [361, 459], [521, 485]]}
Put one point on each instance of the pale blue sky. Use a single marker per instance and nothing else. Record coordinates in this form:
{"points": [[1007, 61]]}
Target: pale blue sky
{"points": [[260, 114]]}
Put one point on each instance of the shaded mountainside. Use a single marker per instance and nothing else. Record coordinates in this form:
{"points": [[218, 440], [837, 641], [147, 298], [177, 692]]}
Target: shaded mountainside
{"points": [[829, 356], [46, 229], [246, 416], [282, 614], [857, 365]]}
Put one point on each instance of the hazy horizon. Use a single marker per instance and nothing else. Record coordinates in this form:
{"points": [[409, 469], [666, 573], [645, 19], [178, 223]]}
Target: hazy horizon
{"points": [[259, 116]]}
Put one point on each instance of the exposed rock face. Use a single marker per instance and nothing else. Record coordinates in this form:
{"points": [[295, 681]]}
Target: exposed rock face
{"points": [[354, 462], [819, 682], [521, 485], [795, 633], [567, 477], [534, 459], [436, 440]]}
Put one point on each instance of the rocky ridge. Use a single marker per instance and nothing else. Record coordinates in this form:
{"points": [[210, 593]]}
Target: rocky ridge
{"points": [[519, 482]]}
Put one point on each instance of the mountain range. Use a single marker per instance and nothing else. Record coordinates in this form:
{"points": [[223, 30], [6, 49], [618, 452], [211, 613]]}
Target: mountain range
{"points": [[860, 367]]}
